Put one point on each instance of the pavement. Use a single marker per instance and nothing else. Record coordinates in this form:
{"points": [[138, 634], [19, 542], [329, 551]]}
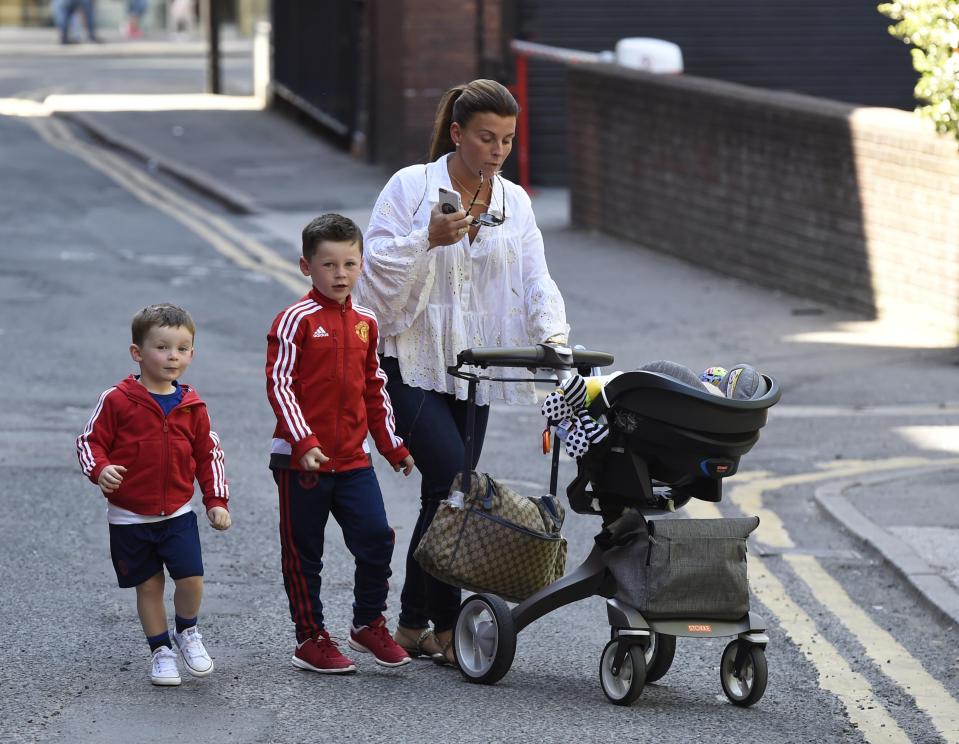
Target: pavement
{"points": [[278, 173]]}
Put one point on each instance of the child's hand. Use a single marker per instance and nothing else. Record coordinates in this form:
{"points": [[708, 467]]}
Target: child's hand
{"points": [[406, 465], [313, 459], [110, 478], [219, 518]]}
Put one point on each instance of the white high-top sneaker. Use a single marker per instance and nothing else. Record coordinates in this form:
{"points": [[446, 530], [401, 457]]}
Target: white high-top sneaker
{"points": [[194, 655], [163, 669]]}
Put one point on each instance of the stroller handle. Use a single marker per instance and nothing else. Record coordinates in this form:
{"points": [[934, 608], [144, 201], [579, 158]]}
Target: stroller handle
{"points": [[546, 356]]}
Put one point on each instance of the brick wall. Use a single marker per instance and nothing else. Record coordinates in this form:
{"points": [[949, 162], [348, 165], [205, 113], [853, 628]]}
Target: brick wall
{"points": [[857, 208], [420, 49]]}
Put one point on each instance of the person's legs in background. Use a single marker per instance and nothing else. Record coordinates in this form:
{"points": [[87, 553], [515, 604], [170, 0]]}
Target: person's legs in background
{"points": [[89, 20], [62, 16], [135, 10]]}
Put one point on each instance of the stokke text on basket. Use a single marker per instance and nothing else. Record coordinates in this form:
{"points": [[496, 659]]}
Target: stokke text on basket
{"points": [[662, 441]]}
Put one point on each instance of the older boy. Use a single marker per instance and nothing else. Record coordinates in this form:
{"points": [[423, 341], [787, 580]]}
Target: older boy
{"points": [[327, 390], [147, 441]]}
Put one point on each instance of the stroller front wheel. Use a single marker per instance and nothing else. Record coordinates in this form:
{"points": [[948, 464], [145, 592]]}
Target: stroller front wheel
{"points": [[659, 655], [659, 651], [622, 684], [749, 684], [484, 639]]}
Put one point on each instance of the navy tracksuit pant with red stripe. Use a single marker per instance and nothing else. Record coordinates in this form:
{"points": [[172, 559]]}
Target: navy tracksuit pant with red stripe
{"points": [[354, 499]]}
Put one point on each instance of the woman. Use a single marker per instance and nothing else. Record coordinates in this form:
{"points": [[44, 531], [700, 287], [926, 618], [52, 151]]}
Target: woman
{"points": [[440, 283]]}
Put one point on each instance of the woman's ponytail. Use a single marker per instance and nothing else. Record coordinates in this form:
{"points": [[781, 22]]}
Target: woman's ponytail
{"points": [[442, 142]]}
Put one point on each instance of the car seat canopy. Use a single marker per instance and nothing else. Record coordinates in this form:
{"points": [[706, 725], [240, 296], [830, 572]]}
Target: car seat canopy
{"points": [[666, 399]]}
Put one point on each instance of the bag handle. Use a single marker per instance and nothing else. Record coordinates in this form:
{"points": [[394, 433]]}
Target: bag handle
{"points": [[488, 500], [465, 484], [549, 501]]}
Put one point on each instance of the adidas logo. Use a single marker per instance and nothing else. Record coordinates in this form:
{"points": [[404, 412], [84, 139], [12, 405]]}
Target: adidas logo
{"points": [[320, 332]]}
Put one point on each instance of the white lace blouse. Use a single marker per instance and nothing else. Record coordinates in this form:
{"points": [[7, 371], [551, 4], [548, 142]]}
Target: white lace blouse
{"points": [[432, 304]]}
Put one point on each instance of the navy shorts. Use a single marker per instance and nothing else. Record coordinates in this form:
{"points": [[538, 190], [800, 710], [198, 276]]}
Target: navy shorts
{"points": [[140, 551]]}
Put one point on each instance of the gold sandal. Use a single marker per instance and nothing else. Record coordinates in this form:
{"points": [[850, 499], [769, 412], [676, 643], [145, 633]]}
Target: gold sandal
{"points": [[447, 655], [416, 650]]}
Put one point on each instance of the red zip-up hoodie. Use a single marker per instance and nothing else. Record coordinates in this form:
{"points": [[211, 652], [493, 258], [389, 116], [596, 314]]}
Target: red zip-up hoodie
{"points": [[324, 381], [162, 455]]}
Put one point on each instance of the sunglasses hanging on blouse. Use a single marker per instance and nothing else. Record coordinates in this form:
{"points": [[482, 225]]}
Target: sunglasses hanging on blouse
{"points": [[488, 219]]}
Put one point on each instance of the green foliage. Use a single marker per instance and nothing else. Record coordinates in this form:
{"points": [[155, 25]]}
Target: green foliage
{"points": [[932, 27]]}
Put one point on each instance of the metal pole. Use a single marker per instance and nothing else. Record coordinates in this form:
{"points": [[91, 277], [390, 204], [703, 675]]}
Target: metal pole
{"points": [[523, 51], [468, 439], [211, 14]]}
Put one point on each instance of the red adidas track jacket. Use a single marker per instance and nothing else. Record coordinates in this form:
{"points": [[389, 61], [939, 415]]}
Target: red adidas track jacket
{"points": [[324, 381], [162, 455]]}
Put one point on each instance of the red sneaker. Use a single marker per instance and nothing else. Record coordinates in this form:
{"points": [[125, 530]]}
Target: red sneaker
{"points": [[320, 654], [376, 639]]}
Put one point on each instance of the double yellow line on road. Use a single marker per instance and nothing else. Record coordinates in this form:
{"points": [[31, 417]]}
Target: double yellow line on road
{"points": [[224, 237], [835, 674]]}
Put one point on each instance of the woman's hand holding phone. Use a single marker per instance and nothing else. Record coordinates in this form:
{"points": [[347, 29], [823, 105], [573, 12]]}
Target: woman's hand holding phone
{"points": [[447, 229]]}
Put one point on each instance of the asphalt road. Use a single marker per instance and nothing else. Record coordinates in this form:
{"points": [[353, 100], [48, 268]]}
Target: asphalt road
{"points": [[854, 655]]}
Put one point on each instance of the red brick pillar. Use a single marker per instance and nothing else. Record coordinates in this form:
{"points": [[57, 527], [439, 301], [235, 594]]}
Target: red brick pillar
{"points": [[418, 49]]}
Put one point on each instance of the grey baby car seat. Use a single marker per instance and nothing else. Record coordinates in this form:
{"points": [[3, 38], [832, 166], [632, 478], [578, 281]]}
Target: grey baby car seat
{"points": [[666, 429]]}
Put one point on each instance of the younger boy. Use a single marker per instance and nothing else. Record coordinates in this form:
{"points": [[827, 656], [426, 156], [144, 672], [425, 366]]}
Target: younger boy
{"points": [[148, 439], [327, 390]]}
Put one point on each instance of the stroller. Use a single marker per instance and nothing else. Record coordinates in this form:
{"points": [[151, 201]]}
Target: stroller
{"points": [[668, 442]]}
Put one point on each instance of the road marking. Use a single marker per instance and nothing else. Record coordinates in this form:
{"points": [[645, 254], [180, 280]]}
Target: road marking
{"points": [[227, 240], [889, 656], [832, 671], [943, 438], [851, 687], [748, 497]]}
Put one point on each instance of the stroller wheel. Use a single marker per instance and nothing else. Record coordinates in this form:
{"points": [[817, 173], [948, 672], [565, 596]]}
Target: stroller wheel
{"points": [[659, 651], [749, 685], [623, 686], [484, 638], [659, 654]]}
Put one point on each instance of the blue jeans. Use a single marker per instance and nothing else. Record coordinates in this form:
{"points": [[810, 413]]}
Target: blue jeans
{"points": [[356, 503], [63, 11], [433, 426]]}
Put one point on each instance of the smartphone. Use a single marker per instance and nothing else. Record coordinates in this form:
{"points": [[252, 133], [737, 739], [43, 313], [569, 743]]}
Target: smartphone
{"points": [[450, 201]]}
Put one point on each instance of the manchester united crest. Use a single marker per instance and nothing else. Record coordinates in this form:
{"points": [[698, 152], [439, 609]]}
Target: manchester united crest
{"points": [[363, 331]]}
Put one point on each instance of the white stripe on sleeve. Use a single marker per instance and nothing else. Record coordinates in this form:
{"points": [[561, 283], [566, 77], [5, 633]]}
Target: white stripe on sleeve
{"points": [[283, 367], [219, 473], [87, 461]]}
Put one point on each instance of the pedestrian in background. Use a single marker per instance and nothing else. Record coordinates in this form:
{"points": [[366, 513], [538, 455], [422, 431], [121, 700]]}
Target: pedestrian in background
{"points": [[135, 11], [63, 11], [148, 440], [440, 283], [327, 390], [182, 18]]}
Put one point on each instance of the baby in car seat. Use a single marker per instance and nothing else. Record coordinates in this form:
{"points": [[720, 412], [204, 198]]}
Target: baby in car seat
{"points": [[566, 405]]}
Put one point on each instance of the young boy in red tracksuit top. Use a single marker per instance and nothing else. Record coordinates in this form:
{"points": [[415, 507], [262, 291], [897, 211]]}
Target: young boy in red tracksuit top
{"points": [[149, 437], [327, 390]]}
